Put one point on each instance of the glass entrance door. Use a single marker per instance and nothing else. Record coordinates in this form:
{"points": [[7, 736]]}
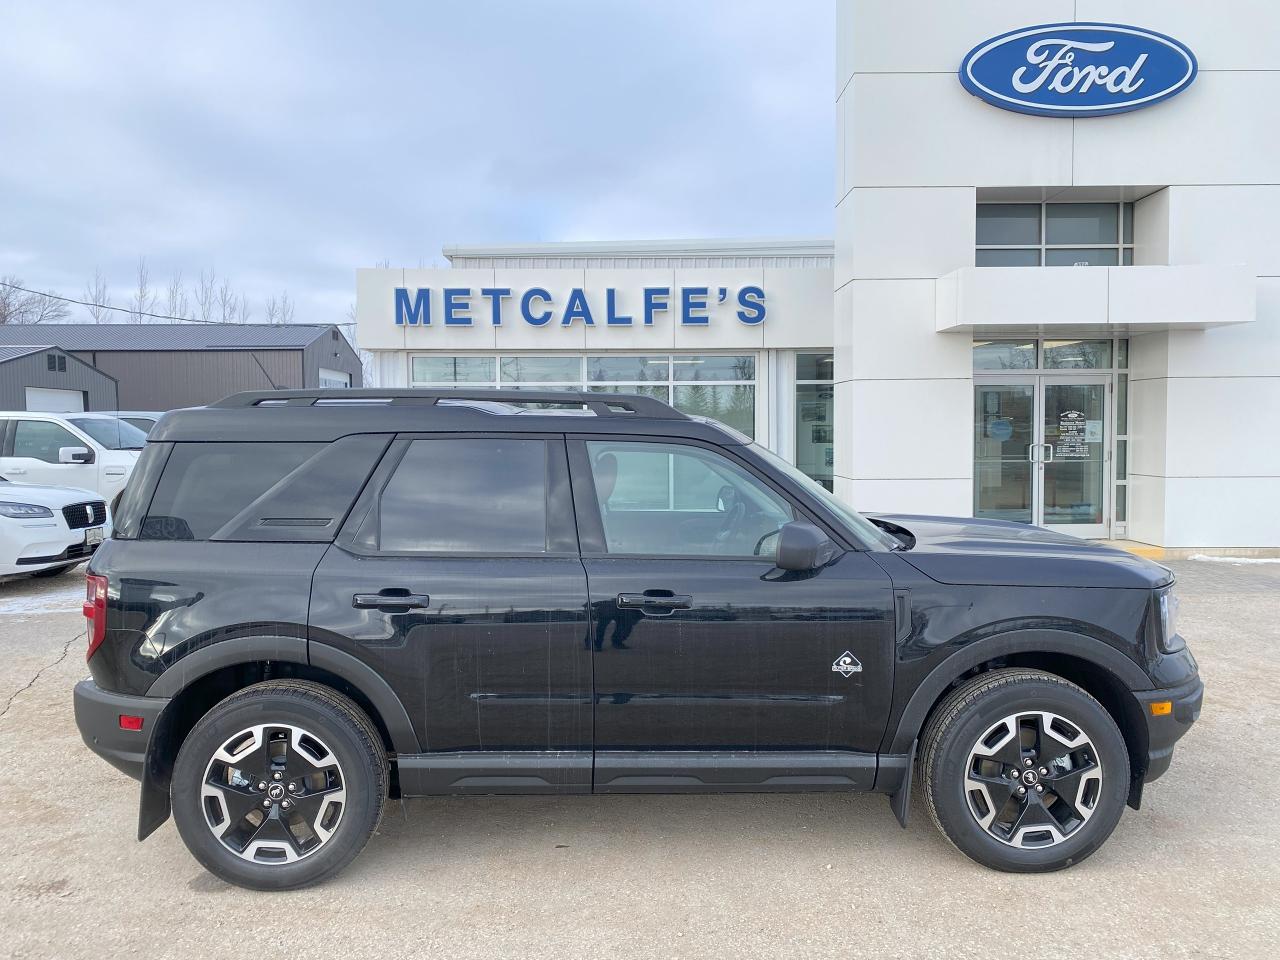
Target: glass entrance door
{"points": [[1040, 452], [1004, 431], [1072, 459]]}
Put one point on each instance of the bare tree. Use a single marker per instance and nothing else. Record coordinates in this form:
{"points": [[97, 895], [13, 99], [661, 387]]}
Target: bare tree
{"points": [[98, 296], [47, 309], [27, 306], [143, 300], [206, 296], [176, 302], [286, 308], [227, 302], [367, 368], [243, 312], [10, 300], [271, 311]]}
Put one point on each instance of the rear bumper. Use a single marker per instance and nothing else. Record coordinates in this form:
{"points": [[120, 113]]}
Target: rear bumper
{"points": [[1166, 730], [98, 715]]}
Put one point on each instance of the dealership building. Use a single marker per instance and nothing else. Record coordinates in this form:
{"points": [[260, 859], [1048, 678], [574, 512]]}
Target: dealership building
{"points": [[1053, 294]]}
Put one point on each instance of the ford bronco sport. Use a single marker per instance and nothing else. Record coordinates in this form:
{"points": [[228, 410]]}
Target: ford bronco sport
{"points": [[315, 600]]}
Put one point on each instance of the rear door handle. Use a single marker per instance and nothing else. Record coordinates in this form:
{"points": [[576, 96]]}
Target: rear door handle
{"points": [[664, 601], [391, 599], [16, 471]]}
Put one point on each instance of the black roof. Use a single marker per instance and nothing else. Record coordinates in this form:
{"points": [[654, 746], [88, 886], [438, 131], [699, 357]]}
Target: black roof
{"points": [[105, 337], [325, 415]]}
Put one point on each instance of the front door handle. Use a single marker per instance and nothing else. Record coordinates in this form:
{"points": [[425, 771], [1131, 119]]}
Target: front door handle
{"points": [[391, 599], [655, 601], [15, 471]]}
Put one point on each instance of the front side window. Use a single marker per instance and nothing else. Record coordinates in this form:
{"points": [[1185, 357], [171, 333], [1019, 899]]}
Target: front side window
{"points": [[41, 440], [485, 495], [112, 433], [670, 500]]}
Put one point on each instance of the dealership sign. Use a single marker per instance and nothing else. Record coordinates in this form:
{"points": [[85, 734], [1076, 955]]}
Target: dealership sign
{"points": [[538, 307], [1077, 69]]}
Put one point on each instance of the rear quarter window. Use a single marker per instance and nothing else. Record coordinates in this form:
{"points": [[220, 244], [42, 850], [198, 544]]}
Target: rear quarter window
{"points": [[259, 491]]}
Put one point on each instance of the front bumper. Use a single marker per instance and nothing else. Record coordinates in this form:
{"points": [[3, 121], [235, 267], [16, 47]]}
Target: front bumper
{"points": [[98, 714], [1167, 729], [38, 549]]}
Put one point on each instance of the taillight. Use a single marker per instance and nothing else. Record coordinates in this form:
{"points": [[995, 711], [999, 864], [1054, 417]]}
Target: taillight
{"points": [[95, 609]]}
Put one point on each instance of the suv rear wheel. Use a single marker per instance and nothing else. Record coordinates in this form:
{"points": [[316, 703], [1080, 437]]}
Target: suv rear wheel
{"points": [[280, 785], [1024, 771]]}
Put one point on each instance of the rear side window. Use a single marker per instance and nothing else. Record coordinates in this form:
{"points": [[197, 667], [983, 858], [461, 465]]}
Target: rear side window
{"points": [[485, 495], [259, 491]]}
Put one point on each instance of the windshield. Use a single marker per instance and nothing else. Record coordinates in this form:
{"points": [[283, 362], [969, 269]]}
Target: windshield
{"points": [[864, 529], [112, 433]]}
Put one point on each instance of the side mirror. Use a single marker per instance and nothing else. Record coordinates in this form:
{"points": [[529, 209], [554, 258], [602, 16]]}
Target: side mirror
{"points": [[802, 546], [75, 455]]}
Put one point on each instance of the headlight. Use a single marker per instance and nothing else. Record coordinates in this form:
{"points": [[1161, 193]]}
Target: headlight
{"points": [[24, 511], [1170, 642]]}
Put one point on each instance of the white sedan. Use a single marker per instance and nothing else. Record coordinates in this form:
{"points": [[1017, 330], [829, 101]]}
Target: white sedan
{"points": [[46, 530]]}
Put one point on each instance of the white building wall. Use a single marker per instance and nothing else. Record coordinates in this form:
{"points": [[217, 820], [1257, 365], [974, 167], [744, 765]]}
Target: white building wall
{"points": [[913, 150]]}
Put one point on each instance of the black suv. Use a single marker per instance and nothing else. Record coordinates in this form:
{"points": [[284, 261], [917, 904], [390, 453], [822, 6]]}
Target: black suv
{"points": [[314, 600]]}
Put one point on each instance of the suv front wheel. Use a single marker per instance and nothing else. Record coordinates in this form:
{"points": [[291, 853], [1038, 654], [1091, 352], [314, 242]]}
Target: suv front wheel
{"points": [[1024, 771], [280, 785]]}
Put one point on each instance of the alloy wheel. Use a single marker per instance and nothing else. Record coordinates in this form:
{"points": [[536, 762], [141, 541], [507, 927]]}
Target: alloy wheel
{"points": [[273, 793], [1033, 779]]}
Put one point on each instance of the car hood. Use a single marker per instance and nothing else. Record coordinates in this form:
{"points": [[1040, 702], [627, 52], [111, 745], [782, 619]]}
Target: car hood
{"points": [[45, 496], [1004, 553]]}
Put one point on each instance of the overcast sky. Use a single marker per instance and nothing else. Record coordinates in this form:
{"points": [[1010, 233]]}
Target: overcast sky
{"points": [[286, 144]]}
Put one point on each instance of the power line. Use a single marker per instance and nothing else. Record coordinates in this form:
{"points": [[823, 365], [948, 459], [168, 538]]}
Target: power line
{"points": [[141, 313]]}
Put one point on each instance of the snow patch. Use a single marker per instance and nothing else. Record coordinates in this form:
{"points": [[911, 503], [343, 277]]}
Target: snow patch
{"points": [[1236, 560], [65, 599]]}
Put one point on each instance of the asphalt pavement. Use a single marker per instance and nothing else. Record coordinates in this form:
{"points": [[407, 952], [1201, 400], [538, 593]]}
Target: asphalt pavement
{"points": [[1193, 874]]}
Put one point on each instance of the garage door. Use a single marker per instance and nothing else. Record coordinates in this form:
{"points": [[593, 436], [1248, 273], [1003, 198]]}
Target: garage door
{"points": [[49, 400]]}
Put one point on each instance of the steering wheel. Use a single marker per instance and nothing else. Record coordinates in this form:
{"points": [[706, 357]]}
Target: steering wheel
{"points": [[730, 503]]}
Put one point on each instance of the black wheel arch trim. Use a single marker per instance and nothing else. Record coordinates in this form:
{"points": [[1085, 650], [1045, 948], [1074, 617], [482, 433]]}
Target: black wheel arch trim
{"points": [[365, 679], [229, 653], [898, 739]]}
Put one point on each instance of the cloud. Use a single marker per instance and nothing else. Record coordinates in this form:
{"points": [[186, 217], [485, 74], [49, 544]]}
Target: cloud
{"points": [[287, 144]]}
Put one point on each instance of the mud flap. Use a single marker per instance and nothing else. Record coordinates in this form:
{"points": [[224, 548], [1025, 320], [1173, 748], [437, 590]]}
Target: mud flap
{"points": [[157, 773], [900, 799]]}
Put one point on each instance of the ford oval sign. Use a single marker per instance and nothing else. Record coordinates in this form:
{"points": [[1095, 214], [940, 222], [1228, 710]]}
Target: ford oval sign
{"points": [[1077, 69]]}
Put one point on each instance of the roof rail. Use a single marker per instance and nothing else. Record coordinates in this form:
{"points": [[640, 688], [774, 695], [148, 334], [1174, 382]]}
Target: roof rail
{"points": [[601, 404]]}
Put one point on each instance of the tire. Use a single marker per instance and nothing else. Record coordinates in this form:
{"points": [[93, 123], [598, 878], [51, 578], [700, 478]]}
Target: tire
{"points": [[307, 799], [982, 735], [55, 571]]}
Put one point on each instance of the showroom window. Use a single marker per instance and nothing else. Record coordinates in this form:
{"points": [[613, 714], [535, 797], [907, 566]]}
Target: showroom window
{"points": [[815, 416], [719, 386], [1054, 234]]}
